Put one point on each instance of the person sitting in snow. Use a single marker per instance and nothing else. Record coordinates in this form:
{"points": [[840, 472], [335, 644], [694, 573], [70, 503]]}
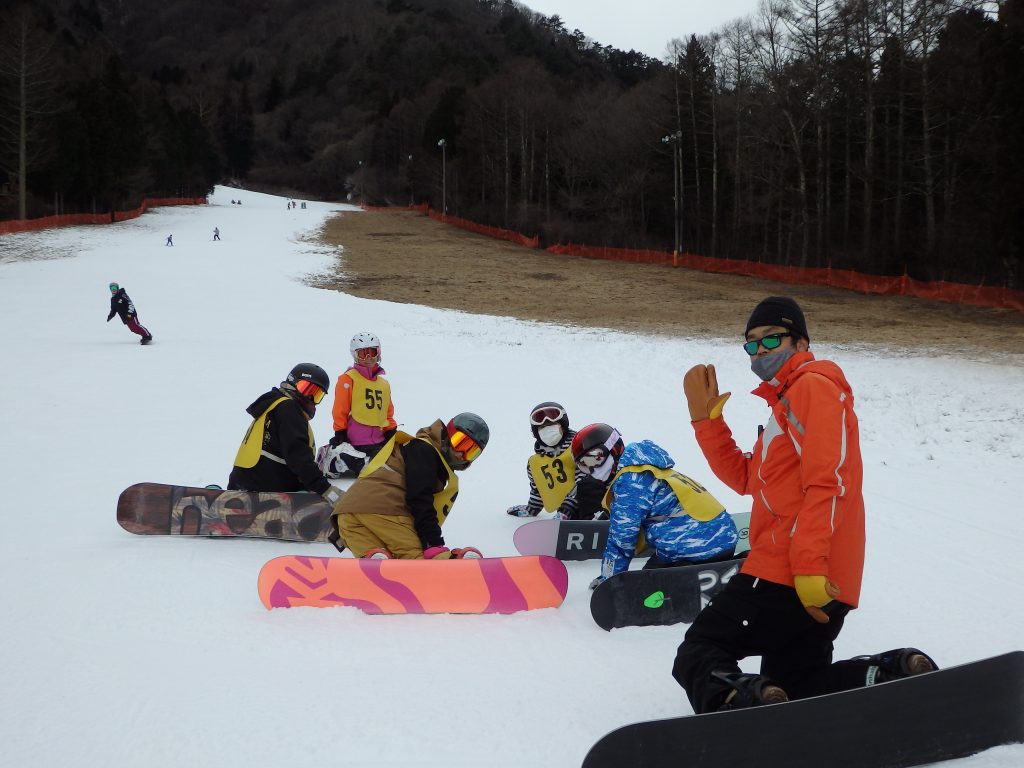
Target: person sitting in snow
{"points": [[364, 414], [396, 508], [123, 307], [556, 483], [277, 451], [652, 505]]}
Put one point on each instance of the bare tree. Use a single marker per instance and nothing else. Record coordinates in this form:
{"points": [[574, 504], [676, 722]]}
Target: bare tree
{"points": [[28, 69]]}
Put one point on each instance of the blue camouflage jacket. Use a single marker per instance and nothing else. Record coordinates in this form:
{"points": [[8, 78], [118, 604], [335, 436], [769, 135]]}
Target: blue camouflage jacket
{"points": [[642, 502]]}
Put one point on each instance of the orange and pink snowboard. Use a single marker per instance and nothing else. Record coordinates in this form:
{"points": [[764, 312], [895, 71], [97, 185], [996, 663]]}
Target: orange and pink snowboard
{"points": [[488, 585]]}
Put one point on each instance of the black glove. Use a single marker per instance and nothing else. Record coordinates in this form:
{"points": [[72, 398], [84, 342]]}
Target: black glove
{"points": [[341, 436], [109, 318]]}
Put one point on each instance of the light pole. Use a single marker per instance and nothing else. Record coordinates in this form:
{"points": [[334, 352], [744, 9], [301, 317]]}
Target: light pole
{"points": [[673, 140], [444, 177]]}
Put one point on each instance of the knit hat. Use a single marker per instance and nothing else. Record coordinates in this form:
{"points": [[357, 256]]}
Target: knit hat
{"points": [[781, 311]]}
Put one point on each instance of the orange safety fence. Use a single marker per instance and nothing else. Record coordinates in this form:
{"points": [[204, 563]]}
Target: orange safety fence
{"points": [[902, 285], [75, 219]]}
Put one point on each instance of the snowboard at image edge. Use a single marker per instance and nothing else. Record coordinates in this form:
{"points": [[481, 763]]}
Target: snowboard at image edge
{"points": [[929, 718]]}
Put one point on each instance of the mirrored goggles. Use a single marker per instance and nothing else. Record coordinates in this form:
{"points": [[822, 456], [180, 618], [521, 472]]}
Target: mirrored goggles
{"points": [[771, 341], [307, 388], [593, 459], [368, 355], [548, 414], [464, 445]]}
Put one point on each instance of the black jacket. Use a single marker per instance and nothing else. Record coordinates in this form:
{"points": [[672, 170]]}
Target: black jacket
{"points": [[286, 435], [121, 306], [423, 470]]}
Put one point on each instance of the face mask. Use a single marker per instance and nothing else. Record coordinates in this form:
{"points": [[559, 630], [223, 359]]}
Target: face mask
{"points": [[767, 366], [603, 472], [551, 434]]}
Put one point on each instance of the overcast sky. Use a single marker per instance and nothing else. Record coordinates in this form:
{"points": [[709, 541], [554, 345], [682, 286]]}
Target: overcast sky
{"points": [[643, 25]]}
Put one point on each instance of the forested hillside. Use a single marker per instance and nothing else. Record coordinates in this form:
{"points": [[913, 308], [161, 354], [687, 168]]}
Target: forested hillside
{"points": [[878, 135]]}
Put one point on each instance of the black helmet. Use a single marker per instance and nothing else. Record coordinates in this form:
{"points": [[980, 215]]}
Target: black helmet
{"points": [[459, 451], [305, 374], [548, 412], [595, 443]]}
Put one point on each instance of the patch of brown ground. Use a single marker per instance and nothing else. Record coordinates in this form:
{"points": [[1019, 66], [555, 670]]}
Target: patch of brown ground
{"points": [[408, 258]]}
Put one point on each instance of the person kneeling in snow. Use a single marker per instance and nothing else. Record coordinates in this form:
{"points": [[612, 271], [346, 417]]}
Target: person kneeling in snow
{"points": [[650, 501], [556, 483], [277, 451], [396, 508], [364, 414]]}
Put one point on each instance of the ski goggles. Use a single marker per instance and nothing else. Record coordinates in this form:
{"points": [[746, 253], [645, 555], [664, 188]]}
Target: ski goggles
{"points": [[548, 414], [463, 444], [593, 459], [771, 341], [307, 388], [368, 355]]}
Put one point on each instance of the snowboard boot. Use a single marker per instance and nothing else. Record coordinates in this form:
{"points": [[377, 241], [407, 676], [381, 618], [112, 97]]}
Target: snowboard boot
{"points": [[378, 554], [145, 340], [749, 691], [897, 663]]}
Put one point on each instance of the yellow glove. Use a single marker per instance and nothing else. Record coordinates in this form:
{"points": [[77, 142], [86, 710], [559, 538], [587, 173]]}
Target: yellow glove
{"points": [[815, 592], [700, 384]]}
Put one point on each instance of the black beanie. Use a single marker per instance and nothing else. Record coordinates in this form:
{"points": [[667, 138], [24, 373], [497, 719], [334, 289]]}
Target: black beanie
{"points": [[781, 311]]}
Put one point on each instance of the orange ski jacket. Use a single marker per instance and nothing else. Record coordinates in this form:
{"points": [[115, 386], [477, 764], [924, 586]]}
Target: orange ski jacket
{"points": [[804, 474]]}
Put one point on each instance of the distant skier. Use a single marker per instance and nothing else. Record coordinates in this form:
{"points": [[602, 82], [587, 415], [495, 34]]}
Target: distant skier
{"points": [[123, 307], [216, 233], [277, 451], [652, 505], [556, 484], [170, 240], [364, 414]]}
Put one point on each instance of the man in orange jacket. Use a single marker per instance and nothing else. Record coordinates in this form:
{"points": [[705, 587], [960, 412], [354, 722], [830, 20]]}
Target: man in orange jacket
{"points": [[803, 574]]}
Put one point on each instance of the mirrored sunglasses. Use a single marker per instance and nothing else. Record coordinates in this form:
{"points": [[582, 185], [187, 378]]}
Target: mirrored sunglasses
{"points": [[548, 414], [465, 445], [771, 341], [307, 388]]}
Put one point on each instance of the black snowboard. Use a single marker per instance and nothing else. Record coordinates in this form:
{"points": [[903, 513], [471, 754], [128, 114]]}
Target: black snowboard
{"points": [[937, 716], [659, 596]]}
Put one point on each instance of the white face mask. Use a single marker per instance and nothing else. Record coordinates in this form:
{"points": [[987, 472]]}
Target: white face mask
{"points": [[550, 434]]}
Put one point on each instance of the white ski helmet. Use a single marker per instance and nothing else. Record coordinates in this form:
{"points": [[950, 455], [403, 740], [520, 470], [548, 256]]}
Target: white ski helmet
{"points": [[364, 340]]}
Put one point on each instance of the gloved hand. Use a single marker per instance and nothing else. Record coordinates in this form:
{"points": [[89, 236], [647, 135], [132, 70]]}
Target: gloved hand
{"points": [[700, 384], [466, 553], [335, 538], [815, 592], [341, 436], [110, 318], [437, 553], [596, 582], [332, 495], [520, 510]]}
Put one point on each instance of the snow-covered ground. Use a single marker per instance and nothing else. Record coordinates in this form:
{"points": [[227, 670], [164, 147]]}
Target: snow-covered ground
{"points": [[155, 651]]}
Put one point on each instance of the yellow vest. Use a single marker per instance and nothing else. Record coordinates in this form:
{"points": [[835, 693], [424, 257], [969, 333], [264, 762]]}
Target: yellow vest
{"points": [[693, 497], [370, 399], [251, 449], [443, 499], [554, 477]]}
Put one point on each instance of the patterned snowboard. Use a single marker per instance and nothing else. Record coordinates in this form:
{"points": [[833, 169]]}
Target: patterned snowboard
{"points": [[488, 585], [585, 539], [155, 509]]}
